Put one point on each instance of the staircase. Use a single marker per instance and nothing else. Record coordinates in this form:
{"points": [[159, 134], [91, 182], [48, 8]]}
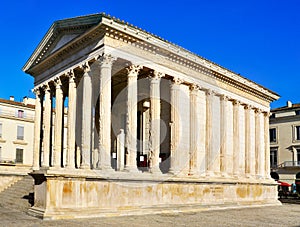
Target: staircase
{"points": [[18, 196]]}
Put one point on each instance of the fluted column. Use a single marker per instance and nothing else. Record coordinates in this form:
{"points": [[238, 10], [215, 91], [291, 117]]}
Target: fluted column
{"points": [[267, 145], [131, 129], [104, 155], [195, 127], [247, 141], [229, 138], [154, 146], [224, 137], [209, 132], [37, 129], [70, 162], [86, 119], [47, 125], [201, 156], [58, 123], [259, 144], [252, 132], [242, 147], [262, 161], [236, 137], [175, 126]]}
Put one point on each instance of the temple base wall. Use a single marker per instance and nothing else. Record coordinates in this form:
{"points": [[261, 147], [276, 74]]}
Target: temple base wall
{"points": [[64, 197]]}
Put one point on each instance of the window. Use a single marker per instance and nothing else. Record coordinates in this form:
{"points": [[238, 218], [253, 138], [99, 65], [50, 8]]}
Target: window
{"points": [[273, 136], [273, 158], [0, 130], [297, 132], [20, 132], [298, 157], [297, 112], [19, 155], [20, 113]]}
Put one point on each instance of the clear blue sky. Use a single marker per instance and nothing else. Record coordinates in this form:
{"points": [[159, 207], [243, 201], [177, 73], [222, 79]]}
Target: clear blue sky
{"points": [[260, 39]]}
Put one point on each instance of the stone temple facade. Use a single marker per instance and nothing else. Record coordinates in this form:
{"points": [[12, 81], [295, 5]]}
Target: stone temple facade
{"points": [[151, 127]]}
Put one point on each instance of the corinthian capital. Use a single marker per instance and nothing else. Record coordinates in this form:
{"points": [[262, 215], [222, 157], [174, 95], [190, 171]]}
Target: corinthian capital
{"points": [[71, 75], [247, 107], [155, 76], [210, 92], [158, 75], [133, 70], [36, 91], [177, 80], [106, 60], [85, 67], [224, 97], [194, 87], [236, 102], [57, 82]]}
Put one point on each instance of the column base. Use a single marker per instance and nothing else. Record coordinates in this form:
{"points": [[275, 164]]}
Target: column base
{"points": [[131, 169], [155, 170], [174, 172], [54, 167], [106, 169], [225, 175], [249, 176], [84, 167], [70, 167], [210, 174]]}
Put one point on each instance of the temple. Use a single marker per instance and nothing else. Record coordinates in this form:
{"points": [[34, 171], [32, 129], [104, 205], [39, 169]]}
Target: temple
{"points": [[150, 126]]}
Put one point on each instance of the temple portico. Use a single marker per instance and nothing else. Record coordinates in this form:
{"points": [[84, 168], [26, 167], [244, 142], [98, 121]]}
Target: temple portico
{"points": [[143, 130], [207, 112]]}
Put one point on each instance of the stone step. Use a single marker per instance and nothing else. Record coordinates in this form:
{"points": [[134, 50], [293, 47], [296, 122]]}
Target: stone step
{"points": [[17, 195]]}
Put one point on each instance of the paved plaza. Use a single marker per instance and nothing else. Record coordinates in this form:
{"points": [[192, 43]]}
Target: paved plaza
{"points": [[285, 215]]}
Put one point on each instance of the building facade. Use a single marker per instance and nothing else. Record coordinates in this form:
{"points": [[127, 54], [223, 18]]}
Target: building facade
{"points": [[16, 132], [151, 126], [285, 142]]}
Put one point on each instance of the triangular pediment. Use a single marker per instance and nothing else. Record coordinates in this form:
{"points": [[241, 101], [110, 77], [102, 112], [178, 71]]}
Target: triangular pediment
{"points": [[59, 35], [65, 39]]}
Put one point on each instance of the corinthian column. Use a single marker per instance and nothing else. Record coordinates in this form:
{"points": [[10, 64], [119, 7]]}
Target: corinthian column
{"points": [[259, 145], [247, 141], [37, 129], [104, 156], [195, 127], [252, 132], [131, 129], [175, 166], [47, 125], [86, 119], [224, 136], [70, 162], [154, 145], [58, 123], [236, 138], [267, 145], [209, 132]]}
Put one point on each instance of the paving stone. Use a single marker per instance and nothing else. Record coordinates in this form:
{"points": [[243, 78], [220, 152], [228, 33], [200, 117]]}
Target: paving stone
{"points": [[285, 215]]}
